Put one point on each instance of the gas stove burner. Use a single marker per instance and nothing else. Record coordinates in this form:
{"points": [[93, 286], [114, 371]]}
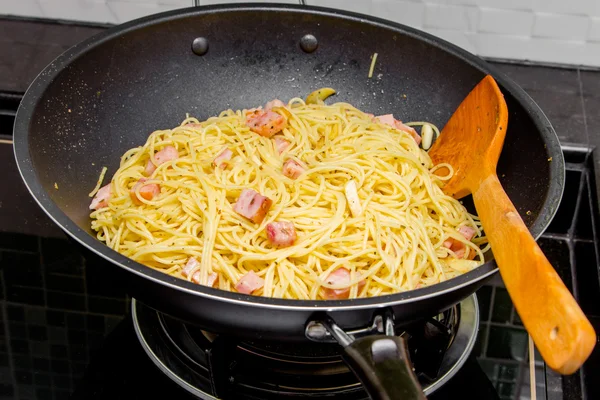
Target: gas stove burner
{"points": [[211, 366]]}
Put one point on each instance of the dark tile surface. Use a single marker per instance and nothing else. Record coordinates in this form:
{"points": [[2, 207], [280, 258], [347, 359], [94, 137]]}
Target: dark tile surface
{"points": [[591, 373], [27, 47], [484, 298], [503, 307], [584, 228], [588, 278], [557, 252], [559, 93], [19, 213], [564, 219], [508, 343], [18, 242], [590, 82], [540, 79], [61, 257]]}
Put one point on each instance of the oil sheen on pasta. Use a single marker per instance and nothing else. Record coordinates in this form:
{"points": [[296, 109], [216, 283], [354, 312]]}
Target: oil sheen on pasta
{"points": [[401, 240]]}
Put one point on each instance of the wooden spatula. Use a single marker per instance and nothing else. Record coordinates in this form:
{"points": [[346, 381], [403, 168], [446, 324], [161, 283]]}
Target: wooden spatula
{"points": [[471, 143]]}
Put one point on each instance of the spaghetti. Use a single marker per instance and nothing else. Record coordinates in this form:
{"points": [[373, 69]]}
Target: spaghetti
{"points": [[182, 214]]}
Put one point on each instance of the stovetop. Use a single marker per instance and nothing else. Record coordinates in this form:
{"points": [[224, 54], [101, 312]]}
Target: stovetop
{"points": [[66, 329]]}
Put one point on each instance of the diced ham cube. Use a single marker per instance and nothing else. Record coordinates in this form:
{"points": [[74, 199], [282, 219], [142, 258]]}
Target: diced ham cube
{"points": [[252, 112], [405, 128], [340, 276], [266, 123], [249, 283], [150, 168], [467, 232], [292, 169], [252, 205], [147, 191], [190, 266], [100, 200], [388, 119], [281, 144], [212, 278], [274, 103], [194, 264], [459, 248], [281, 234], [168, 153], [222, 158]]}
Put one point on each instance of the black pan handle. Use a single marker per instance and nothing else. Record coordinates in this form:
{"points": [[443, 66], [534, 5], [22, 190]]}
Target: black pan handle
{"points": [[381, 362], [382, 365]]}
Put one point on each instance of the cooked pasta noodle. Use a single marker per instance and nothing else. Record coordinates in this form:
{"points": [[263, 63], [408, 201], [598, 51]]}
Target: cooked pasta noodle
{"points": [[99, 183], [398, 242]]}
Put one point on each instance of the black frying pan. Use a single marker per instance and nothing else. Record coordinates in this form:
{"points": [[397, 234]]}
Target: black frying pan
{"points": [[105, 95]]}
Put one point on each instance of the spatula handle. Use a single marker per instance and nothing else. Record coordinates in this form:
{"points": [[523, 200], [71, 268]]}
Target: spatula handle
{"points": [[558, 326]]}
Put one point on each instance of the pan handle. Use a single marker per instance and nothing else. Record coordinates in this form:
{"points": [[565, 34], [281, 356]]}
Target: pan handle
{"points": [[382, 365], [381, 362]]}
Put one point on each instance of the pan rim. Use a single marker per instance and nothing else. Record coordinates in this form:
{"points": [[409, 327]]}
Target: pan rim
{"points": [[45, 78]]}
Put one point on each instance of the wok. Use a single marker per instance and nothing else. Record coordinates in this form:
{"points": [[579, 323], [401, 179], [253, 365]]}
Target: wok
{"points": [[106, 94]]}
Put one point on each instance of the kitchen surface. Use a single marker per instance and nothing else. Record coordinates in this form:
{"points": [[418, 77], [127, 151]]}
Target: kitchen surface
{"points": [[67, 329]]}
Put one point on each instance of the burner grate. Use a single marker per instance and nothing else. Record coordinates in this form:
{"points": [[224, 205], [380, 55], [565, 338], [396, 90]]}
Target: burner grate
{"points": [[216, 366]]}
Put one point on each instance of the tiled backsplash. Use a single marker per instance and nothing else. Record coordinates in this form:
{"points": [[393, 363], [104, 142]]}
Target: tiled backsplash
{"points": [[550, 31]]}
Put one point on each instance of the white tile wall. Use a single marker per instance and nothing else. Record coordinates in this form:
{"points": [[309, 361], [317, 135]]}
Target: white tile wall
{"points": [[361, 6], [83, 10], [493, 20], [209, 2], [459, 38], [561, 26], [126, 10], [22, 7], [594, 33], [506, 4], [578, 7], [553, 31], [458, 18], [405, 12]]}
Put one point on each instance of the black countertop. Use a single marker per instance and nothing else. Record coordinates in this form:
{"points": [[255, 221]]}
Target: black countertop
{"points": [[63, 321]]}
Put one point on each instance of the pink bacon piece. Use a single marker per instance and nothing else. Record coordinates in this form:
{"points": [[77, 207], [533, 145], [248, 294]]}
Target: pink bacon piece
{"points": [[212, 278], [281, 234], [266, 123], [190, 266], [340, 276], [281, 144], [222, 158], [459, 248], [405, 128], [169, 153], [252, 205], [146, 191], [193, 264], [249, 283], [100, 200], [292, 169], [388, 119], [274, 103]]}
